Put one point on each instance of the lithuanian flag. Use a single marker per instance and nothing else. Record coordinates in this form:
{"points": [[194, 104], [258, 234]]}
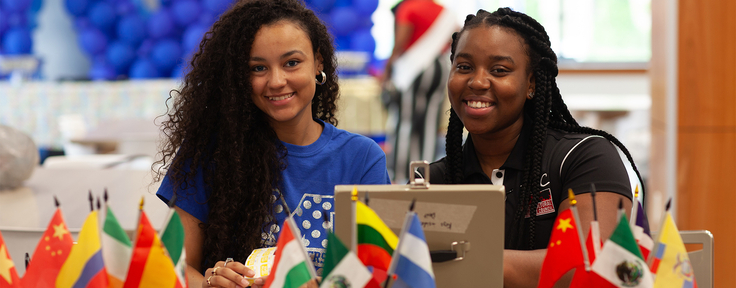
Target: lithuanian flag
{"points": [[150, 265], [376, 242]]}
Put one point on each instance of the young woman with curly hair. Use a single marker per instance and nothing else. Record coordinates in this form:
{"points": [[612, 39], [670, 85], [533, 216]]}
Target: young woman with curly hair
{"points": [[254, 122], [521, 135]]}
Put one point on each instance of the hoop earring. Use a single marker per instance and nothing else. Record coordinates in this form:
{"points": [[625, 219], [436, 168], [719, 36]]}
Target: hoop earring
{"points": [[324, 78]]}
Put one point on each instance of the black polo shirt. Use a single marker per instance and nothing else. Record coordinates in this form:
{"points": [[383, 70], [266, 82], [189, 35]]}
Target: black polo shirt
{"points": [[569, 161]]}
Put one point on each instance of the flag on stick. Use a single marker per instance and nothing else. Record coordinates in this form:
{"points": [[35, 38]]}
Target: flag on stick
{"points": [[173, 238], [84, 267], [671, 262], [620, 262], [342, 266], [50, 254], [564, 251], [150, 265], [8, 275], [411, 262], [116, 249], [291, 266], [376, 242]]}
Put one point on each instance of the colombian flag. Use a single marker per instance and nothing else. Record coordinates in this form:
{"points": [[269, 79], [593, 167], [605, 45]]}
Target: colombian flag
{"points": [[84, 267], [150, 265], [376, 242]]}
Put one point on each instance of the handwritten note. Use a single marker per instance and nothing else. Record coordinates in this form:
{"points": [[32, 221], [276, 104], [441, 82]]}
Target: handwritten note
{"points": [[453, 218]]}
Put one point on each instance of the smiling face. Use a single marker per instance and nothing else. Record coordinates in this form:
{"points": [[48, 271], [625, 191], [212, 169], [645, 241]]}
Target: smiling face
{"points": [[489, 82], [283, 68]]}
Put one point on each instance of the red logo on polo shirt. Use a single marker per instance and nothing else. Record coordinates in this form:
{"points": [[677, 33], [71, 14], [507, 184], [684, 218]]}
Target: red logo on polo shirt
{"points": [[545, 205]]}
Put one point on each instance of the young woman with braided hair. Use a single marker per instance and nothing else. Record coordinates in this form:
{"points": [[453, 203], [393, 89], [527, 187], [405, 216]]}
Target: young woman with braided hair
{"points": [[521, 135], [252, 124]]}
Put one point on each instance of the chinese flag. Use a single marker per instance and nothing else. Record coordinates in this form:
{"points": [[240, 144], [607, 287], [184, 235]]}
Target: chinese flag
{"points": [[51, 252], [564, 251], [8, 275]]}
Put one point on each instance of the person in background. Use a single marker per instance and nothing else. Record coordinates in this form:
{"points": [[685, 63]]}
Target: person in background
{"points": [[417, 69], [252, 124], [502, 89]]}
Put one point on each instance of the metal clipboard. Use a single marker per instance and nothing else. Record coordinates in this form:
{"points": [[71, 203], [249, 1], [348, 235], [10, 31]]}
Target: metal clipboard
{"points": [[463, 225]]}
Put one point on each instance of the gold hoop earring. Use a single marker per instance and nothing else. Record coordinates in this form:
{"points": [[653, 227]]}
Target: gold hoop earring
{"points": [[324, 78]]}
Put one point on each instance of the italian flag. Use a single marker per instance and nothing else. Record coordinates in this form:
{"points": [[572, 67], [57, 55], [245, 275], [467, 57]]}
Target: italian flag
{"points": [[173, 238], [620, 262], [342, 266], [116, 250], [291, 267]]}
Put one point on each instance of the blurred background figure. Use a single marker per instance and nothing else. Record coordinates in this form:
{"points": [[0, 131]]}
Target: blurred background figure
{"points": [[414, 82]]}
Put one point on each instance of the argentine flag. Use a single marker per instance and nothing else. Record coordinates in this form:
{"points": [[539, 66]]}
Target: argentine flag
{"points": [[411, 263]]}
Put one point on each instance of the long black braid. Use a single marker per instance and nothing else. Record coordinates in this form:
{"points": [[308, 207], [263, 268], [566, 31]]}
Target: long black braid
{"points": [[546, 109]]}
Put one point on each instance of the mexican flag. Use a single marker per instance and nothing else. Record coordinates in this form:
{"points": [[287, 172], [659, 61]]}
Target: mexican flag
{"points": [[342, 266], [620, 262], [291, 267]]}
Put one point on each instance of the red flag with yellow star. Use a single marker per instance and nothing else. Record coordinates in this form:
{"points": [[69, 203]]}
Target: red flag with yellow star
{"points": [[51, 252], [8, 275], [563, 251]]}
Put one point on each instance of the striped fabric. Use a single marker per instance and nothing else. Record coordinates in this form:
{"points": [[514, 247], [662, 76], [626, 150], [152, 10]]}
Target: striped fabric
{"points": [[116, 250], [413, 268], [376, 242], [84, 267], [291, 265], [150, 265]]}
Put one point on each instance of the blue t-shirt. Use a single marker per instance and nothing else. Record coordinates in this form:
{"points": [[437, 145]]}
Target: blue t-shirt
{"points": [[338, 157]]}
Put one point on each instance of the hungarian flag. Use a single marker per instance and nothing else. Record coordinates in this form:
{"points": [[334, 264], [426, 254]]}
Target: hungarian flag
{"points": [[341, 267], [85, 267], [671, 262], [564, 251], [291, 266], [173, 238], [8, 275], [620, 262], [51, 252], [376, 242], [150, 265], [116, 250]]}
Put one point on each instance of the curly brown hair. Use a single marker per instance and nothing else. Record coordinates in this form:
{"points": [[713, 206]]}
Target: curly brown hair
{"points": [[214, 125]]}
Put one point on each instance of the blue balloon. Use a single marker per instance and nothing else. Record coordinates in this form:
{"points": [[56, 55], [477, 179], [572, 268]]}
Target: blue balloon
{"points": [[102, 15], [161, 24], [120, 55], [36, 6], [217, 6], [17, 41], [343, 20], [101, 70], [322, 5], [17, 20], [180, 70], [16, 6], [342, 43], [77, 7], [124, 8], [143, 69], [342, 3], [192, 37], [145, 49], [132, 29], [3, 22], [365, 7], [185, 12], [165, 54], [363, 41], [93, 41]]}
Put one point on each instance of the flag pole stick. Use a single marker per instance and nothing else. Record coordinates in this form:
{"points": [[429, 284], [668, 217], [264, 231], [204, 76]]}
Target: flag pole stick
{"points": [[573, 206], [354, 215], [634, 208]]}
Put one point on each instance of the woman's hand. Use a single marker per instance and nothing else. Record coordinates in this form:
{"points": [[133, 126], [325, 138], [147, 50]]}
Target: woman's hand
{"points": [[229, 274]]}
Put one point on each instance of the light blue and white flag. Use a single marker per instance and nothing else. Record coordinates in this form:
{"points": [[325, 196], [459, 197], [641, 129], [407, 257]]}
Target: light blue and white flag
{"points": [[411, 263]]}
